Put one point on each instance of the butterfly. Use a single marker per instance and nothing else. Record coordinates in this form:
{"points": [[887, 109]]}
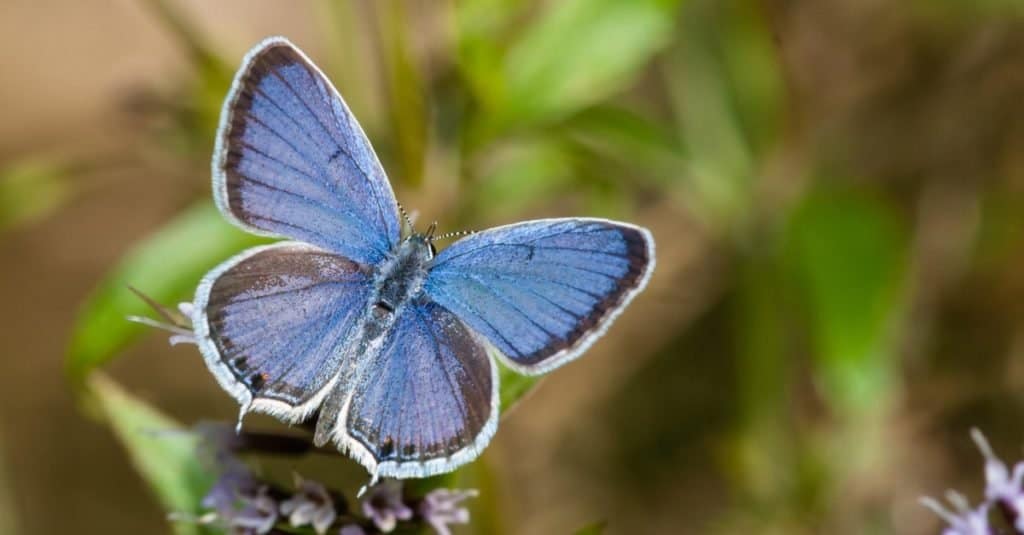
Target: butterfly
{"points": [[392, 344]]}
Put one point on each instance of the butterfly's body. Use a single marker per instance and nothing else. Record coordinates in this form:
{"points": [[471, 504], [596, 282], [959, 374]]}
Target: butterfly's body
{"points": [[394, 346], [397, 281]]}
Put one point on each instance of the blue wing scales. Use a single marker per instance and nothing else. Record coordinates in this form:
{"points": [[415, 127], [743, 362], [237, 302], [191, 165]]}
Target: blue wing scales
{"points": [[542, 291], [272, 322], [429, 400], [292, 161]]}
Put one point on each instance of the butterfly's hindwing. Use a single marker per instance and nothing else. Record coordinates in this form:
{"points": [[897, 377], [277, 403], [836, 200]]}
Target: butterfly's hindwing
{"points": [[292, 161], [542, 291], [271, 324], [428, 401]]}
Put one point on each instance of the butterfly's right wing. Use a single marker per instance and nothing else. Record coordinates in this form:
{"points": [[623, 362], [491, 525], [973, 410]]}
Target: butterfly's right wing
{"points": [[291, 160], [273, 324], [543, 291]]}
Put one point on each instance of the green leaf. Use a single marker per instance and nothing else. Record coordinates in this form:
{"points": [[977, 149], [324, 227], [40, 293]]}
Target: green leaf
{"points": [[517, 175], [513, 386], [579, 52], [630, 139], [166, 266], [848, 254], [724, 84], [764, 451], [161, 450], [750, 67], [482, 28]]}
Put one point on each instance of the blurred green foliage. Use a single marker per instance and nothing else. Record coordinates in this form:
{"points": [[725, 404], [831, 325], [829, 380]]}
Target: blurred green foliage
{"points": [[162, 451], [167, 266], [30, 191], [576, 53], [848, 254], [724, 84]]}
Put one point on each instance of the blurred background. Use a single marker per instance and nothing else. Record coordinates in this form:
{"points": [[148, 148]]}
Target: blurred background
{"points": [[836, 188]]}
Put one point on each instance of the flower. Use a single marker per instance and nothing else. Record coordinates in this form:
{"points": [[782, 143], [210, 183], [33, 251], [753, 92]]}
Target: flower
{"points": [[440, 508], [257, 516], [384, 506], [352, 529], [228, 490], [311, 505], [965, 521], [1002, 487]]}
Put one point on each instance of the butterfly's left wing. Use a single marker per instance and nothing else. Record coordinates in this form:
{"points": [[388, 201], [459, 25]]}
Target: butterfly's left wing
{"points": [[292, 161], [428, 402], [542, 291], [274, 322]]}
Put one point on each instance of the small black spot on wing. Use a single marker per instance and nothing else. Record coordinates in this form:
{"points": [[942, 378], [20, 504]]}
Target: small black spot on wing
{"points": [[240, 364], [258, 380], [387, 448]]}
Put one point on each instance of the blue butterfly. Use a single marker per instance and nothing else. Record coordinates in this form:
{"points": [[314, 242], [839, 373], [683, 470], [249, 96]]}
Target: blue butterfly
{"points": [[393, 343]]}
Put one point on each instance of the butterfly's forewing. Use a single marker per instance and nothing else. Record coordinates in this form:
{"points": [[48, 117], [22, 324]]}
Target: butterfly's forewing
{"points": [[428, 403], [291, 160], [542, 291], [273, 321]]}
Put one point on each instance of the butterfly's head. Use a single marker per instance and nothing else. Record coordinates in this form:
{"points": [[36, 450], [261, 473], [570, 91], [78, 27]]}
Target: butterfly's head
{"points": [[420, 245], [425, 241]]}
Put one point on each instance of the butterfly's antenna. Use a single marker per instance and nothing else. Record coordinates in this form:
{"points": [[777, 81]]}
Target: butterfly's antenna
{"points": [[455, 234], [405, 216]]}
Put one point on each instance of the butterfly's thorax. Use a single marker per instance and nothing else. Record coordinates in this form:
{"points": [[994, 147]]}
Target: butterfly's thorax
{"points": [[400, 278]]}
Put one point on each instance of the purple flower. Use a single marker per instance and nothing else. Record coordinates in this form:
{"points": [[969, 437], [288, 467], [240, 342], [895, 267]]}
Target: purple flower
{"points": [[228, 490], [440, 507], [964, 521], [1002, 487], [310, 505], [352, 529], [384, 506], [257, 516]]}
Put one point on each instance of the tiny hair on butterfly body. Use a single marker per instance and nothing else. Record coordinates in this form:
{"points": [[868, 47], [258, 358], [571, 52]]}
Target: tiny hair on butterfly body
{"points": [[392, 345]]}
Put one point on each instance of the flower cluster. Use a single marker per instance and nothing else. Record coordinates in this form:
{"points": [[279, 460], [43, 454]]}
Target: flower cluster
{"points": [[242, 504], [244, 507], [1004, 492]]}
